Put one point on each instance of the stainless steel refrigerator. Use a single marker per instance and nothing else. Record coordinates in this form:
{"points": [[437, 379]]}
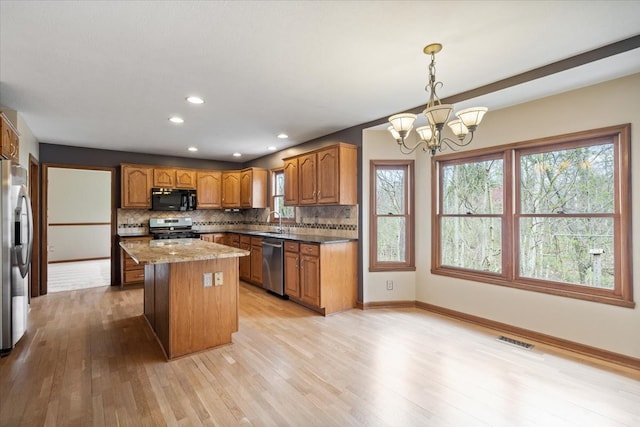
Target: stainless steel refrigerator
{"points": [[16, 234]]}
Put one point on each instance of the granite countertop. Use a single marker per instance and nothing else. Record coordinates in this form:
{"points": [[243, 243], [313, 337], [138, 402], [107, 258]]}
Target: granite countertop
{"points": [[178, 250]]}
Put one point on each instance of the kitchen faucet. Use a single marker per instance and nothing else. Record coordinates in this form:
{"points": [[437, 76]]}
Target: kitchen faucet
{"points": [[279, 229]]}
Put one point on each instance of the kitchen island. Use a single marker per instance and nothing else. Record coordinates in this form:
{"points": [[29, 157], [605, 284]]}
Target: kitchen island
{"points": [[190, 292]]}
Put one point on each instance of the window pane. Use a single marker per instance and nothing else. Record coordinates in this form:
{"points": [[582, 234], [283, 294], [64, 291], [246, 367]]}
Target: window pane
{"points": [[390, 186], [279, 184], [474, 188], [391, 239], [287, 212], [578, 180], [472, 242], [569, 250]]}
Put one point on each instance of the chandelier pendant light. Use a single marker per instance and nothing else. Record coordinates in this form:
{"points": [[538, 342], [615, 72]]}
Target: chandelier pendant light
{"points": [[437, 114]]}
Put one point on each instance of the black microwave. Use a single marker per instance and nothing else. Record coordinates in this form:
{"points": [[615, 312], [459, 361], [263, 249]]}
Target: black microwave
{"points": [[169, 199]]}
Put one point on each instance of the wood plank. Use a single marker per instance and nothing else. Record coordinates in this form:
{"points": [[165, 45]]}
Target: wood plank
{"points": [[89, 358]]}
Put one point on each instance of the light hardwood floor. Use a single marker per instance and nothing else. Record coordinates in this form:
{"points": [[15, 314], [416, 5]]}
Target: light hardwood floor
{"points": [[90, 359]]}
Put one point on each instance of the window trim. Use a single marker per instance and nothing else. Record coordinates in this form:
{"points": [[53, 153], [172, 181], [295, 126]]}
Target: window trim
{"points": [[409, 264], [622, 294], [272, 186]]}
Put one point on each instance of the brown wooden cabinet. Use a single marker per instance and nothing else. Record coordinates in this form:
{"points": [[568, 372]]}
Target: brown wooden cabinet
{"points": [[253, 188], [256, 260], [130, 272], [213, 237], [174, 178], [185, 178], [9, 140], [322, 277], [164, 177], [209, 189], [292, 269], [310, 274], [136, 183], [231, 189], [327, 176], [290, 170], [245, 262]]}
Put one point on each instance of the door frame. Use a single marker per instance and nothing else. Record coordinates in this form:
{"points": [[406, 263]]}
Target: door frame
{"points": [[44, 185], [34, 194]]}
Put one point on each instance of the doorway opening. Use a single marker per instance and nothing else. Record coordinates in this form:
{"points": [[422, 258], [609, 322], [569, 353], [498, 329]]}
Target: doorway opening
{"points": [[78, 220]]}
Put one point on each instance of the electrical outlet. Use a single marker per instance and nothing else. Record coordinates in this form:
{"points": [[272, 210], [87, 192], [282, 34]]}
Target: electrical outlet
{"points": [[207, 280], [218, 278], [389, 285]]}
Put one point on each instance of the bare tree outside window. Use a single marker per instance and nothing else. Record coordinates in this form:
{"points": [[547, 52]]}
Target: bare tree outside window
{"points": [[391, 218], [551, 215]]}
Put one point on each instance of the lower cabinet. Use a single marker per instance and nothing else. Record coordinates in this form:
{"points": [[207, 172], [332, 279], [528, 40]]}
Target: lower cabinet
{"points": [[245, 262], [131, 273], [213, 237], [321, 277], [256, 260]]}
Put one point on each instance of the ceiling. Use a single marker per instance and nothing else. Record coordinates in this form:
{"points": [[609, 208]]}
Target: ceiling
{"points": [[106, 74]]}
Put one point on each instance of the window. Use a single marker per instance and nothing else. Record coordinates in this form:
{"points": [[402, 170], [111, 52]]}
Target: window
{"points": [[391, 216], [288, 213], [551, 215]]}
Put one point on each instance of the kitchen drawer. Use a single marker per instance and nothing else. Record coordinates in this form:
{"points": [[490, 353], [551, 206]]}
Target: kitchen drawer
{"points": [[307, 249], [291, 246], [132, 276], [245, 239], [130, 264], [256, 241]]}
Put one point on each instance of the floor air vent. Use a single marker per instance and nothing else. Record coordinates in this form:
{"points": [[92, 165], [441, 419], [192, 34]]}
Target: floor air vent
{"points": [[516, 343]]}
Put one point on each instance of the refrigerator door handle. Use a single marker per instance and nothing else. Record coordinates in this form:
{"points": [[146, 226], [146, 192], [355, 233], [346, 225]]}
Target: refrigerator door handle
{"points": [[21, 260]]}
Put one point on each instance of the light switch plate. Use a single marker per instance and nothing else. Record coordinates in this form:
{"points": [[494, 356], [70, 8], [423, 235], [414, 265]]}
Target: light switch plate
{"points": [[218, 278]]}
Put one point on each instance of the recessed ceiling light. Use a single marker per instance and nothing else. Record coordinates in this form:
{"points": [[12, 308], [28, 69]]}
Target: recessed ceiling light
{"points": [[195, 100], [283, 136], [192, 149], [271, 148], [237, 154], [175, 119]]}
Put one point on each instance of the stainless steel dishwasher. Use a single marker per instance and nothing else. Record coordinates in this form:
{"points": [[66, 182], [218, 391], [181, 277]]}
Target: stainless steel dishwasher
{"points": [[273, 265]]}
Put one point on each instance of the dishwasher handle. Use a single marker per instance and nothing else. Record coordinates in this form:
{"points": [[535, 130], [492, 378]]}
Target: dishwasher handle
{"points": [[276, 245]]}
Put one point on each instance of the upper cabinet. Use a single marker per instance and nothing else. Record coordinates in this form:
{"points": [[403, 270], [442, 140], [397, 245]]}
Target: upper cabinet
{"points": [[174, 178], [164, 177], [231, 189], [290, 170], [209, 189], [136, 183], [186, 178], [9, 140], [253, 188], [327, 176]]}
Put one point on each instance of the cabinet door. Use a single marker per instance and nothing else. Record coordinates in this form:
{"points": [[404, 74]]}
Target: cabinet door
{"points": [[246, 188], [328, 176], [206, 237], [5, 139], [307, 179], [14, 149], [310, 279], [185, 178], [291, 196], [164, 177], [291, 274], [209, 190], [136, 186], [245, 263], [256, 261], [231, 189]]}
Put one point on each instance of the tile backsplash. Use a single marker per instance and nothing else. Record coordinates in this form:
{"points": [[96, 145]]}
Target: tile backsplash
{"points": [[341, 221]]}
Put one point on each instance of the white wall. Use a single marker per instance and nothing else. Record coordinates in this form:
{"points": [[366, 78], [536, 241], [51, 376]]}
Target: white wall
{"points": [[603, 326], [79, 196], [378, 145], [28, 142]]}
